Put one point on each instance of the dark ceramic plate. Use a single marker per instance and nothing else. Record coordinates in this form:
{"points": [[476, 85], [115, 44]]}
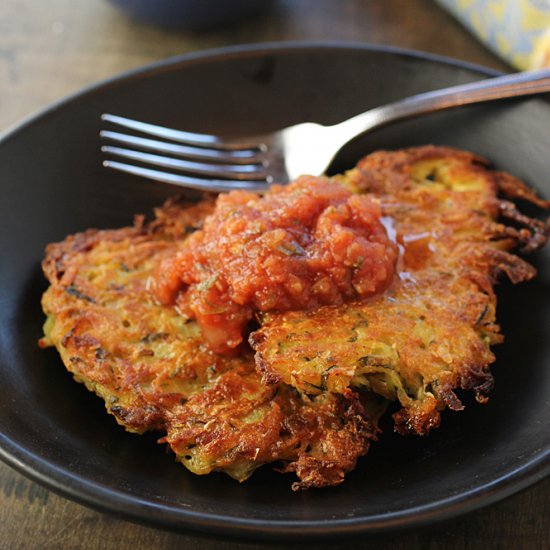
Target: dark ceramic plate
{"points": [[53, 184]]}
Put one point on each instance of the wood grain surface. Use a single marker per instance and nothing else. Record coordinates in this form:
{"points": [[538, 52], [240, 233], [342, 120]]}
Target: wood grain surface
{"points": [[51, 48]]}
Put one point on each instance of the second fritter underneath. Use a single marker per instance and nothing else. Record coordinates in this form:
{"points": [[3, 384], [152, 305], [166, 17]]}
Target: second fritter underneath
{"points": [[154, 371]]}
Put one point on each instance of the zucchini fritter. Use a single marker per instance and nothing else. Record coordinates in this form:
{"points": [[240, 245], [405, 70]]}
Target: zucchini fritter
{"points": [[154, 371], [430, 332], [312, 388]]}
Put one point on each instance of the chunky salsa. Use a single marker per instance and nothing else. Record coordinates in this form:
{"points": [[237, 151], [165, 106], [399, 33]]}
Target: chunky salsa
{"points": [[301, 246]]}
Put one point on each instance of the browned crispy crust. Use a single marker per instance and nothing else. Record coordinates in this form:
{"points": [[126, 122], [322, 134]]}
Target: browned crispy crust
{"points": [[431, 332], [154, 372]]}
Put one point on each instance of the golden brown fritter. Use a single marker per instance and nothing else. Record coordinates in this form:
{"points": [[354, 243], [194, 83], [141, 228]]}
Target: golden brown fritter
{"points": [[154, 371], [309, 394], [431, 332]]}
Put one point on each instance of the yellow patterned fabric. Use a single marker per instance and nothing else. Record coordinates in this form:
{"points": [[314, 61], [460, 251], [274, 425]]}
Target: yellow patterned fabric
{"points": [[517, 30]]}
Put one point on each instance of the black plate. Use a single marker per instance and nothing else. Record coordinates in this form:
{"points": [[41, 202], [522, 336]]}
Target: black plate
{"points": [[53, 184]]}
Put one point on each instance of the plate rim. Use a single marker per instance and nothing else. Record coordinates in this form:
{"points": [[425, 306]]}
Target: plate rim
{"points": [[236, 50], [67, 484]]}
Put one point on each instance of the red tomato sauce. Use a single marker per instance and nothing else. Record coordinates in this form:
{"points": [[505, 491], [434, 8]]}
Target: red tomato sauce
{"points": [[301, 246]]}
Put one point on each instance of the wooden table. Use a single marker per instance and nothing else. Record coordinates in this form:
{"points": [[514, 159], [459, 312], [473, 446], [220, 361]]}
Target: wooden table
{"points": [[49, 49]]}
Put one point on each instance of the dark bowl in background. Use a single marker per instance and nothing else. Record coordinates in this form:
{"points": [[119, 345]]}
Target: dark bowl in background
{"points": [[190, 14], [57, 433]]}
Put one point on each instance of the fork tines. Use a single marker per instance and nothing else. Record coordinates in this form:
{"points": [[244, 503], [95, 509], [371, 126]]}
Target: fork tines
{"points": [[201, 161]]}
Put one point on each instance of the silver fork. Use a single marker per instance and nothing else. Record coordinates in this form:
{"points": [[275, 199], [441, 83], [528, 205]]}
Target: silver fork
{"points": [[213, 163]]}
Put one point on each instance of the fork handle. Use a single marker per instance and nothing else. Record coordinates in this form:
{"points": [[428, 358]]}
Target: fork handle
{"points": [[499, 87]]}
